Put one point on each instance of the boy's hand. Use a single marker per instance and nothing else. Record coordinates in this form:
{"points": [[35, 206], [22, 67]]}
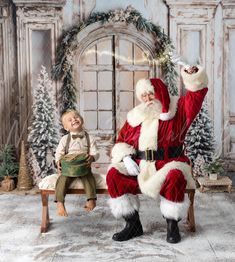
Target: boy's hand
{"points": [[59, 167], [91, 159]]}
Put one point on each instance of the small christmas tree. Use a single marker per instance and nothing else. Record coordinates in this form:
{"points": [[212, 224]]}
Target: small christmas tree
{"points": [[8, 164], [199, 139], [43, 136]]}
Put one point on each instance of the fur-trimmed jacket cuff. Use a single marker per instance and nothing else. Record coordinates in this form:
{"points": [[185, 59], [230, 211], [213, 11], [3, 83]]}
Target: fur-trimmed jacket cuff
{"points": [[121, 150], [196, 81]]}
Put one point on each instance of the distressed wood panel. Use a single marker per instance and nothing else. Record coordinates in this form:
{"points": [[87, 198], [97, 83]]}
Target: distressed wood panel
{"points": [[2, 88], [229, 94], [32, 17], [8, 90], [231, 70]]}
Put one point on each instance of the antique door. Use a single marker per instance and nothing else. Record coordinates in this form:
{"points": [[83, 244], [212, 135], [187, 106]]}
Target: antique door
{"points": [[108, 71]]}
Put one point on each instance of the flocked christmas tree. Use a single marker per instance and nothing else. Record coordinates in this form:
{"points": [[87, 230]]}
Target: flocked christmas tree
{"points": [[43, 136], [200, 138]]}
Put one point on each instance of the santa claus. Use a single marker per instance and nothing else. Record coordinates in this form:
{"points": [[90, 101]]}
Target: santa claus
{"points": [[149, 155]]}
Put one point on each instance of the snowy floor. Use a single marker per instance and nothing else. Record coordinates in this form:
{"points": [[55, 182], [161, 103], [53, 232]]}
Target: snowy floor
{"points": [[87, 237]]}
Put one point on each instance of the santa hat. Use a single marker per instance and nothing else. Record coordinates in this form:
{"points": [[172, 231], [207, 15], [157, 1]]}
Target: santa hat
{"points": [[159, 89]]}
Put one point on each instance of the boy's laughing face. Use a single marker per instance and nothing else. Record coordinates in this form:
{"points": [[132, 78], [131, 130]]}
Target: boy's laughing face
{"points": [[72, 122]]}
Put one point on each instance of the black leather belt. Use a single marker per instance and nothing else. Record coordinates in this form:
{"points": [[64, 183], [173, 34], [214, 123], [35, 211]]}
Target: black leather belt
{"points": [[152, 155]]}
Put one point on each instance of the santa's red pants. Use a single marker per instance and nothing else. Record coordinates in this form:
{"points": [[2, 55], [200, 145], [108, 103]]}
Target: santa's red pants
{"points": [[119, 185]]}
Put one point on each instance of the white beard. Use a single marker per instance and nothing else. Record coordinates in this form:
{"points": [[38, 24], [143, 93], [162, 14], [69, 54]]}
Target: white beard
{"points": [[153, 110], [144, 112]]}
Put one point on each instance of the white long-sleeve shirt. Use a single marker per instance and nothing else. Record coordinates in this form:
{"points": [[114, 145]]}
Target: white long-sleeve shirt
{"points": [[76, 146]]}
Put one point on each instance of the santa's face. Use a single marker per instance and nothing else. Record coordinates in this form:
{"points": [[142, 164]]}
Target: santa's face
{"points": [[151, 106], [147, 97]]}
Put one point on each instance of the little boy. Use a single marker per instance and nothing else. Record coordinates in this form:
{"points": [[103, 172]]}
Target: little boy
{"points": [[76, 142]]}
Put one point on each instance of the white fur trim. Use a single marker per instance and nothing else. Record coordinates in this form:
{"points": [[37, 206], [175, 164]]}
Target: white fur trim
{"points": [[174, 210], [172, 109], [148, 134], [137, 115], [120, 167], [196, 81], [120, 150], [143, 86], [124, 205], [150, 180]]}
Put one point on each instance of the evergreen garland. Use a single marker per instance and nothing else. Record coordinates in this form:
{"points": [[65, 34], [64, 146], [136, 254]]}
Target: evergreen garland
{"points": [[63, 69], [43, 136], [200, 139]]}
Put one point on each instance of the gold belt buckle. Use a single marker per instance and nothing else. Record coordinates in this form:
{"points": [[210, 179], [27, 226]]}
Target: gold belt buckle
{"points": [[149, 155]]}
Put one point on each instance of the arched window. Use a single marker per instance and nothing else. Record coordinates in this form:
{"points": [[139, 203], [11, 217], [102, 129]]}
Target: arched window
{"points": [[109, 62]]}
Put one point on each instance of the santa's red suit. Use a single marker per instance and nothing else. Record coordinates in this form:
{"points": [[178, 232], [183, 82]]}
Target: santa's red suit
{"points": [[155, 143]]}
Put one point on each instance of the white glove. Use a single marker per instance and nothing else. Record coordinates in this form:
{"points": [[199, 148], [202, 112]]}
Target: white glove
{"points": [[131, 166]]}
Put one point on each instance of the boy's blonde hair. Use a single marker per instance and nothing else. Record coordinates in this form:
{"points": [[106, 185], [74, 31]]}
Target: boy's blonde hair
{"points": [[73, 111]]}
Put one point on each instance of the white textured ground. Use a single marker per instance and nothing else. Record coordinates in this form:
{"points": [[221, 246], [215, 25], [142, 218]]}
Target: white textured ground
{"points": [[87, 237]]}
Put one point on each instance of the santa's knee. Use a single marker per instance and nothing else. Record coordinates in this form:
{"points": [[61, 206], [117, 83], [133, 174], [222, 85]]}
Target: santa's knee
{"points": [[174, 186], [113, 183]]}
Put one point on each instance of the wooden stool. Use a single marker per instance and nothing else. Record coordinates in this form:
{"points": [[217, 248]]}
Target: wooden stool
{"points": [[45, 209], [223, 183]]}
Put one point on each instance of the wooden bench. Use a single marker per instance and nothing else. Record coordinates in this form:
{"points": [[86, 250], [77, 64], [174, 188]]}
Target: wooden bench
{"points": [[45, 209]]}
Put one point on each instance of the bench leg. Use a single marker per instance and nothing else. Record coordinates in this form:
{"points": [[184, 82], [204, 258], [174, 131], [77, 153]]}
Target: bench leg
{"points": [[45, 213], [190, 215]]}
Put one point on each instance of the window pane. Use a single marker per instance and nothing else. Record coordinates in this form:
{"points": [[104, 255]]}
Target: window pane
{"points": [[90, 120], [125, 52], [105, 100], [41, 45], [89, 56], [105, 80], [126, 101], [140, 57], [126, 81], [89, 81], [90, 100], [105, 120], [104, 52]]}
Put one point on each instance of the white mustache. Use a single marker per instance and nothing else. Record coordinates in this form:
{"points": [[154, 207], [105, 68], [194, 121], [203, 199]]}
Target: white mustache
{"points": [[153, 109]]}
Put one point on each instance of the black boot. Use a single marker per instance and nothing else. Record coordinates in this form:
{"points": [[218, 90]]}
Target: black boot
{"points": [[132, 229], [173, 235]]}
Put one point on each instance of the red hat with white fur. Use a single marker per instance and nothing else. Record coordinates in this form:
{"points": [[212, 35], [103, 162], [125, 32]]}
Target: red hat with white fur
{"points": [[159, 89]]}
